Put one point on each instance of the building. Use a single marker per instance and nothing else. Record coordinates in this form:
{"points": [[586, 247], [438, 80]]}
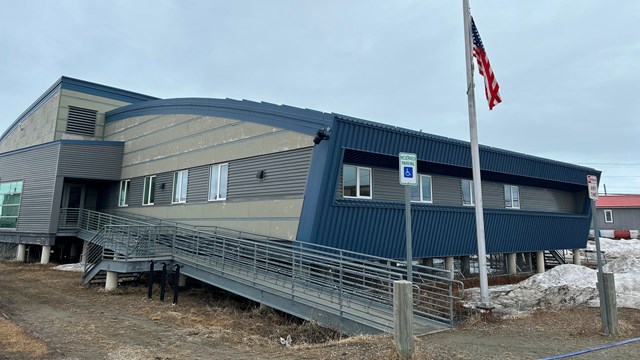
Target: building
{"points": [[274, 170], [618, 212]]}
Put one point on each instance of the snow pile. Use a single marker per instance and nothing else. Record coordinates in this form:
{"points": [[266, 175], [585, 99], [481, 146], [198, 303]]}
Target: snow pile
{"points": [[571, 285], [79, 267], [616, 248]]}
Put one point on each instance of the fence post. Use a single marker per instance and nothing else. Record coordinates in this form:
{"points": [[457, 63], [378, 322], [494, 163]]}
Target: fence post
{"points": [[611, 304], [403, 314]]}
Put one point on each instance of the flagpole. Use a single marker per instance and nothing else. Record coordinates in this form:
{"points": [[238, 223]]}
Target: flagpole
{"points": [[475, 161]]}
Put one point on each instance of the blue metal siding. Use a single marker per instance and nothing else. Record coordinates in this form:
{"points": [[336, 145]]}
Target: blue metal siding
{"points": [[377, 227]]}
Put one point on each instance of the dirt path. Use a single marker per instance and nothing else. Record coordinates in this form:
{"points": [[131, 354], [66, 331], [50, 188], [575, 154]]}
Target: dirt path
{"points": [[49, 315]]}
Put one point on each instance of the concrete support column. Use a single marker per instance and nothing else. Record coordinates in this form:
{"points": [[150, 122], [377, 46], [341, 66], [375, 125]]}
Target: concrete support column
{"points": [[85, 250], [511, 264], [576, 256], [465, 265], [21, 253], [112, 281], [46, 253], [182, 280], [540, 262], [427, 262], [448, 265]]}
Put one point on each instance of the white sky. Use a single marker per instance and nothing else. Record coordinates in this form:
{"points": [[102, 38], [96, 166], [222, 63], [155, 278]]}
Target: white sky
{"points": [[569, 71]]}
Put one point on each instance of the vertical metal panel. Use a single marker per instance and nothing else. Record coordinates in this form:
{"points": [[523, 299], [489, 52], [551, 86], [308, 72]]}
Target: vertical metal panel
{"points": [[539, 199], [198, 186], [36, 167], [95, 160], [285, 174], [377, 227]]}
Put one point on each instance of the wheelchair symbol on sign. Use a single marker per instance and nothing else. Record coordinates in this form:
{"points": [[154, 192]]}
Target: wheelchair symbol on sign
{"points": [[408, 172]]}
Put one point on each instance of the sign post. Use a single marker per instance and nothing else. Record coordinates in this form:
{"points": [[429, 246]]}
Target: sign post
{"points": [[592, 184], [408, 166]]}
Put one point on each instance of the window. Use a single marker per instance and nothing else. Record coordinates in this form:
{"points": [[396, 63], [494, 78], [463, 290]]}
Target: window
{"points": [[356, 182], [511, 197], [149, 190], [218, 179], [608, 216], [422, 192], [180, 180], [468, 197], [123, 199], [10, 194]]}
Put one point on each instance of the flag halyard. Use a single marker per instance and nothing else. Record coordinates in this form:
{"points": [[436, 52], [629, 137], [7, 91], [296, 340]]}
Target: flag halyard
{"points": [[491, 86]]}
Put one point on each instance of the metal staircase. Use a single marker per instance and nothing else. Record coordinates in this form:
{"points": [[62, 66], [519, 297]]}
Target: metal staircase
{"points": [[346, 291]]}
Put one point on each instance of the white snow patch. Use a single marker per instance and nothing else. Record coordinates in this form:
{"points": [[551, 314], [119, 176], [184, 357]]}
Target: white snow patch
{"points": [[571, 285], [79, 267]]}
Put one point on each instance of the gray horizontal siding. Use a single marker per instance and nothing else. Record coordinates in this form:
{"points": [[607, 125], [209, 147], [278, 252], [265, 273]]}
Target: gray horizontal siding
{"points": [[386, 185], [492, 195], [198, 186], [446, 190], [135, 192], [285, 175], [539, 199], [91, 161], [623, 218], [163, 196], [37, 168]]}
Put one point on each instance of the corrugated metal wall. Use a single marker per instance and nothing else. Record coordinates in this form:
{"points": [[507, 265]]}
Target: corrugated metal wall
{"points": [[285, 176], [97, 160], [35, 166], [447, 191], [377, 226], [623, 219]]}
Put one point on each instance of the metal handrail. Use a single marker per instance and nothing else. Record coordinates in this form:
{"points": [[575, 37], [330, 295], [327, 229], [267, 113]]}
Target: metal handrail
{"points": [[353, 282]]}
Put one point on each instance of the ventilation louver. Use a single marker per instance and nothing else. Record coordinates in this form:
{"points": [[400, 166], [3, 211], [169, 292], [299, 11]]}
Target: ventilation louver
{"points": [[81, 121]]}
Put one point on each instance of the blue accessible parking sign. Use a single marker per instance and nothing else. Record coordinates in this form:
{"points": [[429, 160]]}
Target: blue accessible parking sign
{"points": [[407, 168]]}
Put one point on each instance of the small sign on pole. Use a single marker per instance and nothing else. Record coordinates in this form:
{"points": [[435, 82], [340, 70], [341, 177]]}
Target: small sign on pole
{"points": [[408, 166], [408, 169], [592, 183]]}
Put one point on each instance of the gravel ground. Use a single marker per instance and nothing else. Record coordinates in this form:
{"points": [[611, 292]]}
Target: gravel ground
{"points": [[48, 314]]}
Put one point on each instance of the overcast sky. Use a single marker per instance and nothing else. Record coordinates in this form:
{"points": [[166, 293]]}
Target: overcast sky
{"points": [[569, 71]]}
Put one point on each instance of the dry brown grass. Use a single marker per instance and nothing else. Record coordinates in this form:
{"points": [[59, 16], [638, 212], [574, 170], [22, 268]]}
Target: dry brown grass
{"points": [[15, 341]]}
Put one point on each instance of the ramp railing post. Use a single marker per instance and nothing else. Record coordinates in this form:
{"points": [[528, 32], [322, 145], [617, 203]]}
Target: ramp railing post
{"points": [[163, 281], [150, 280], [176, 284]]}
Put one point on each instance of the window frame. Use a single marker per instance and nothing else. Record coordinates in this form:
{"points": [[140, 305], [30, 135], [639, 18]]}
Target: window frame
{"points": [[358, 184], [471, 192], [610, 212], [151, 188], [178, 187], [421, 188], [218, 196], [127, 186], [511, 192], [18, 205]]}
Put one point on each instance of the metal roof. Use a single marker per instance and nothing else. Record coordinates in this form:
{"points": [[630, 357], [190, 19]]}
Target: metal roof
{"points": [[618, 201]]}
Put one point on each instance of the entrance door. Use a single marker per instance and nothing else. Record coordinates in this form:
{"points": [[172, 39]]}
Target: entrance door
{"points": [[73, 198]]}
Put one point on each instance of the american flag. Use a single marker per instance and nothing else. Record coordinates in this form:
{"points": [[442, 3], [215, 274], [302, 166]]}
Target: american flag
{"points": [[491, 87]]}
